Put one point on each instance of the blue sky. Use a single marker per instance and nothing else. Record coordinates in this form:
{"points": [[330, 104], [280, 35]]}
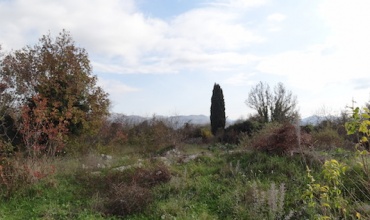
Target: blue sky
{"points": [[164, 56]]}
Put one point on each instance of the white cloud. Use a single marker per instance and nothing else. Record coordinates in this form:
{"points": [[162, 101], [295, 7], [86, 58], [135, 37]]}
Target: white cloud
{"points": [[241, 79], [276, 17], [341, 58], [240, 4], [349, 24], [218, 62], [335, 71], [274, 22], [115, 88], [111, 28], [117, 91], [157, 67], [211, 29], [126, 41]]}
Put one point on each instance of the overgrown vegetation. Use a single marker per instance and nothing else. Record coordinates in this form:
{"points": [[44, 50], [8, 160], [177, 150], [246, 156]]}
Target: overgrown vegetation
{"points": [[62, 158]]}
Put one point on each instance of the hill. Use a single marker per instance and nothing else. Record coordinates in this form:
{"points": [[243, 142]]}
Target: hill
{"points": [[177, 121]]}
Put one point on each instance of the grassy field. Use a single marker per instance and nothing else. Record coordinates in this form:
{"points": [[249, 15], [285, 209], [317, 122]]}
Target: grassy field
{"points": [[192, 182]]}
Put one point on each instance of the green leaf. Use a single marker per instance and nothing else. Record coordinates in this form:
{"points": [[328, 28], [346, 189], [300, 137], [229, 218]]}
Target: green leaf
{"points": [[364, 152], [363, 128], [350, 127], [364, 139]]}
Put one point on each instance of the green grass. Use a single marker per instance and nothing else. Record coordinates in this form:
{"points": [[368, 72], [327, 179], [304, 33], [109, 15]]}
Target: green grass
{"points": [[216, 185], [57, 199]]}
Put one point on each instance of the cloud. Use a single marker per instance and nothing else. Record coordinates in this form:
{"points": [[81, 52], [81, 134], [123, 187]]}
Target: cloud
{"points": [[348, 24], [276, 17], [156, 68], [240, 79], [240, 4], [113, 28], [274, 22], [338, 59], [335, 70], [115, 88], [211, 29], [121, 39], [218, 62], [117, 91], [361, 83]]}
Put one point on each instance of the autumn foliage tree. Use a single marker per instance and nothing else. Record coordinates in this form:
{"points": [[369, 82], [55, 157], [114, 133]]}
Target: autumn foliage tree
{"points": [[53, 82], [218, 118]]}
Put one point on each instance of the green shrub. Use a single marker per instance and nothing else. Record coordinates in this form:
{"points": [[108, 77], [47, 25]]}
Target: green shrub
{"points": [[152, 135], [327, 138], [233, 132]]}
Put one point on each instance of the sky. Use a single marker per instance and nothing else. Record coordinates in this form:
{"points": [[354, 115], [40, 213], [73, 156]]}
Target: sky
{"points": [[164, 56]]}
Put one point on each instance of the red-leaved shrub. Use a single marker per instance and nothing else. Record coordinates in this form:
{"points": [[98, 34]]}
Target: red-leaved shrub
{"points": [[280, 139]]}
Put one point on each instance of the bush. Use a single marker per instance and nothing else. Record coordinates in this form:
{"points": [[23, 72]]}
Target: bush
{"points": [[127, 199], [327, 138], [196, 134], [112, 133], [153, 134], [124, 192], [276, 139], [151, 177], [233, 132], [18, 173]]}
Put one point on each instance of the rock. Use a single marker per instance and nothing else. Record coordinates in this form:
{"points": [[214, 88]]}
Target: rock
{"points": [[106, 157], [122, 168], [190, 158]]}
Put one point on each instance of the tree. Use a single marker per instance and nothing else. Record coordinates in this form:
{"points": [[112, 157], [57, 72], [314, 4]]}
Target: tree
{"points": [[260, 99], [217, 117], [8, 132], [279, 105], [60, 74], [40, 132], [284, 105]]}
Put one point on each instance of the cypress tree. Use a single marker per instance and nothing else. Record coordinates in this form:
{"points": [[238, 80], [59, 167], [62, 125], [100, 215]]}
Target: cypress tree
{"points": [[218, 118]]}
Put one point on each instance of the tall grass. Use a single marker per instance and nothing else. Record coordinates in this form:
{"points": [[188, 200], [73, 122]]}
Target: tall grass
{"points": [[221, 181]]}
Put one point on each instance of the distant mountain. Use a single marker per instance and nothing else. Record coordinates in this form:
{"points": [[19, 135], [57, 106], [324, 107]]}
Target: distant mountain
{"points": [[177, 121], [191, 119], [180, 120], [134, 119], [315, 119]]}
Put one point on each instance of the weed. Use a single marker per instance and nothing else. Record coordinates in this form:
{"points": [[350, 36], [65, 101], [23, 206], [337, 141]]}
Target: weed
{"points": [[269, 203], [327, 201], [19, 173], [151, 177], [127, 199]]}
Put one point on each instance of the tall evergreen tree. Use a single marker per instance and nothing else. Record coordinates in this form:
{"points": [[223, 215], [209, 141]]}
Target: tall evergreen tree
{"points": [[218, 118]]}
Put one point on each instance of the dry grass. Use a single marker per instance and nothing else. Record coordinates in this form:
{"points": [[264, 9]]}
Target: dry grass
{"points": [[17, 173], [127, 199]]}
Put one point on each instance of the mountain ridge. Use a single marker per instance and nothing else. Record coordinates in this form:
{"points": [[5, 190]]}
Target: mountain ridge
{"points": [[180, 120]]}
